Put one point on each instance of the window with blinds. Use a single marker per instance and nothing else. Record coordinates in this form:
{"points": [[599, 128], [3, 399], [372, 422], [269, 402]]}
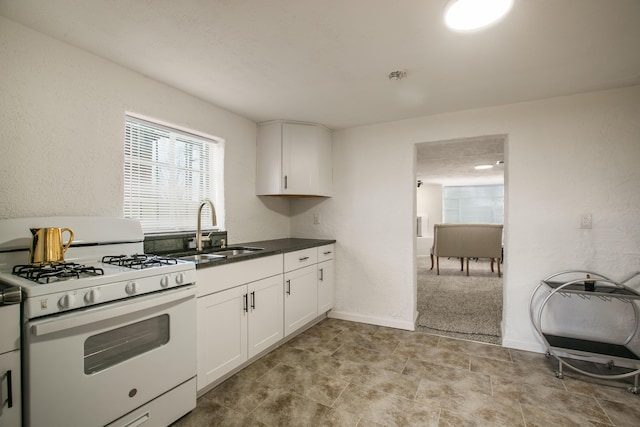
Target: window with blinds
{"points": [[473, 204], [167, 173]]}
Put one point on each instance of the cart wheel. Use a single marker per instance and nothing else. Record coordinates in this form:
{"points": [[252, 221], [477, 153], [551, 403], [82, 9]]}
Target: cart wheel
{"points": [[559, 375], [547, 354], [633, 390], [610, 364]]}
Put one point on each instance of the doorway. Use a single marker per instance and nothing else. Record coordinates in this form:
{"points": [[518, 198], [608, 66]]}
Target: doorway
{"points": [[451, 189]]}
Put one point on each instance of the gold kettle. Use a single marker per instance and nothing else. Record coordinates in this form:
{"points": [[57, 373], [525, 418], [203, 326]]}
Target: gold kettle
{"points": [[47, 246]]}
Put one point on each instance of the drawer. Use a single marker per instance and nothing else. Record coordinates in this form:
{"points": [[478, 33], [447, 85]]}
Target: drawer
{"points": [[226, 276], [299, 259], [9, 328], [326, 252]]}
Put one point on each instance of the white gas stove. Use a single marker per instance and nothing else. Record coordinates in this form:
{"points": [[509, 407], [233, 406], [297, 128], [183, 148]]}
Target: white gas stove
{"points": [[105, 263], [103, 324]]}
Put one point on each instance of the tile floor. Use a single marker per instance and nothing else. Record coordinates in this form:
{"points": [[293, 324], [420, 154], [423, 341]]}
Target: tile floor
{"points": [[341, 373]]}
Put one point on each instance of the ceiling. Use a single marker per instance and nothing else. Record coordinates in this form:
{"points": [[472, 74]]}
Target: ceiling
{"points": [[453, 162], [328, 61]]}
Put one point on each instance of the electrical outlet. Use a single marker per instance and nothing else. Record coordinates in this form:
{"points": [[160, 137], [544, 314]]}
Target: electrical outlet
{"points": [[585, 221], [316, 218]]}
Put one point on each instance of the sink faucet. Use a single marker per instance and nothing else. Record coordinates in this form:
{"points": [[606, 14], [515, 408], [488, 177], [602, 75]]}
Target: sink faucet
{"points": [[199, 238]]}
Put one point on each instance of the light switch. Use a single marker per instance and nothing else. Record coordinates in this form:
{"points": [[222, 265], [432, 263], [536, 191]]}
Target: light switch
{"points": [[585, 221]]}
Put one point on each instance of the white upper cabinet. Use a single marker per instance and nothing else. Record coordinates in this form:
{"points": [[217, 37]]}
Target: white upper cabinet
{"points": [[294, 159]]}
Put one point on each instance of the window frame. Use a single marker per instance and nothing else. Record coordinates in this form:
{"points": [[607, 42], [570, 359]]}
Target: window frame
{"points": [[186, 192]]}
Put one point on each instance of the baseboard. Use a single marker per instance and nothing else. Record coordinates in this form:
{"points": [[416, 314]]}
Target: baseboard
{"points": [[378, 321], [534, 347]]}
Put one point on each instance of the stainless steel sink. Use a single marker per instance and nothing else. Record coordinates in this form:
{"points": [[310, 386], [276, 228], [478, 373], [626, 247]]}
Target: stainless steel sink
{"points": [[219, 254], [201, 257], [236, 250]]}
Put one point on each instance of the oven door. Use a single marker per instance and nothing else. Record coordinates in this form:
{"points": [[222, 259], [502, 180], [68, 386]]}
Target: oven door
{"points": [[91, 367]]}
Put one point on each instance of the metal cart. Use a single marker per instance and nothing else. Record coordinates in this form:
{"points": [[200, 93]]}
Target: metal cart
{"points": [[566, 349]]}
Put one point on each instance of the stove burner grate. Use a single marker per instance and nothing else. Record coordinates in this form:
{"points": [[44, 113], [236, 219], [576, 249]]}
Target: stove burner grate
{"points": [[54, 272], [138, 261]]}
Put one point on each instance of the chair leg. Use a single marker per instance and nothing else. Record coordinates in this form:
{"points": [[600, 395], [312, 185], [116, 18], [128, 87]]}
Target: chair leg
{"points": [[467, 266], [438, 265], [431, 262], [492, 265], [462, 264], [499, 273]]}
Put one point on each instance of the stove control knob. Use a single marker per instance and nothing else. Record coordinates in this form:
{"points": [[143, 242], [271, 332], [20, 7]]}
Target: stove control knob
{"points": [[180, 279], [92, 296], [164, 282], [131, 288], [66, 302]]}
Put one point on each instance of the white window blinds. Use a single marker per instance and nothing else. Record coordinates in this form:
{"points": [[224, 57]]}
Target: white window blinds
{"points": [[167, 173]]}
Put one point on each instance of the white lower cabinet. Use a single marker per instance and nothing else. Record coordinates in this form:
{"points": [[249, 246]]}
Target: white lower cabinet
{"points": [[265, 314], [241, 320], [10, 393], [237, 324], [245, 308], [10, 380], [326, 278], [325, 286], [222, 334], [300, 298]]}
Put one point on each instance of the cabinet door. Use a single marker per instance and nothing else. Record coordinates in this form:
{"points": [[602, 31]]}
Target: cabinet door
{"points": [[325, 286], [222, 333], [10, 412], [299, 159], [265, 314], [300, 298]]}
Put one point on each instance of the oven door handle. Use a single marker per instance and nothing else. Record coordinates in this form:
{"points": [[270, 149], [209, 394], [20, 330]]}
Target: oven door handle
{"points": [[122, 308]]}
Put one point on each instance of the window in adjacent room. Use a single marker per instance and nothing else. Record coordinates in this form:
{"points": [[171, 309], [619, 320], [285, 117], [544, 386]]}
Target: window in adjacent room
{"points": [[167, 173], [473, 204]]}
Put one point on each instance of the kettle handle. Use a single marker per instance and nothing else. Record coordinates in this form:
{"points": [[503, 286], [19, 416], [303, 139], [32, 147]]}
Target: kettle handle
{"points": [[65, 247]]}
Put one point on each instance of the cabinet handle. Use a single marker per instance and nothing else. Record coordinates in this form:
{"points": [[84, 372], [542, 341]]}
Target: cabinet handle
{"points": [[327, 252], [322, 274], [304, 258], [245, 301], [285, 182], [288, 287], [253, 300], [9, 389]]}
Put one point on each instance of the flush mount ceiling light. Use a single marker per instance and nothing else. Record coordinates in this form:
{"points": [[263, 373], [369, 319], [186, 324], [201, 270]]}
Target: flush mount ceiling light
{"points": [[481, 167], [397, 75], [467, 15]]}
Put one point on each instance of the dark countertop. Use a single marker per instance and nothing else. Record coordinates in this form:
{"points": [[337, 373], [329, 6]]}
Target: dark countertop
{"points": [[270, 247]]}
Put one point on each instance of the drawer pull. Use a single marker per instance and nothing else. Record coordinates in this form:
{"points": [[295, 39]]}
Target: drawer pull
{"points": [[9, 389], [304, 258], [327, 253]]}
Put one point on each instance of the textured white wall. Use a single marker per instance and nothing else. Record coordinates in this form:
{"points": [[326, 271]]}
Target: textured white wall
{"points": [[62, 132], [429, 206], [564, 156]]}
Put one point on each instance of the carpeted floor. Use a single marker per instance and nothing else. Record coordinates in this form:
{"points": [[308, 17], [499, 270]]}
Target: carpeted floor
{"points": [[454, 304]]}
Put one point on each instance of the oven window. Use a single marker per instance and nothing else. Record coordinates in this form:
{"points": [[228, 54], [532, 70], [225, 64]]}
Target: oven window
{"points": [[117, 345]]}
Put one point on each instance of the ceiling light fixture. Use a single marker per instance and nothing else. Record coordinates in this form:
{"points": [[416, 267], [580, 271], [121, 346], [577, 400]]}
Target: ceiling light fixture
{"points": [[397, 75], [467, 15], [481, 167]]}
